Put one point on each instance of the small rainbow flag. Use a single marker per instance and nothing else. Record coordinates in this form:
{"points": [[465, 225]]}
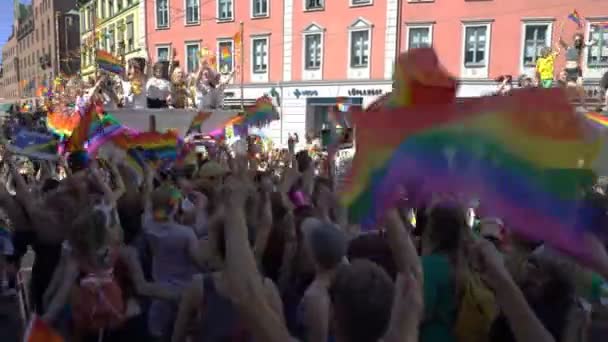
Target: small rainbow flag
{"points": [[40, 331], [598, 119], [108, 62], [197, 121], [61, 123], [226, 54], [576, 18], [262, 113]]}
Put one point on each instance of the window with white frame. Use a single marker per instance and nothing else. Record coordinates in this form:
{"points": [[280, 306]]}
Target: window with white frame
{"points": [[597, 54], [313, 51], [260, 8], [162, 13], [536, 37], [313, 4], [359, 48], [475, 45], [130, 34], [193, 12], [419, 37], [102, 7], [192, 53], [225, 9], [111, 39], [360, 2], [162, 53], [260, 55], [225, 51], [111, 8]]}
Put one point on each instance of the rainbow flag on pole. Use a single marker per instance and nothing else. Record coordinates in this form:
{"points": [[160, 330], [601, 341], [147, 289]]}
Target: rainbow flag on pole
{"points": [[108, 62], [576, 18]]}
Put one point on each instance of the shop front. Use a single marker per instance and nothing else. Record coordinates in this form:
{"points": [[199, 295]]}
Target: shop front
{"points": [[306, 109]]}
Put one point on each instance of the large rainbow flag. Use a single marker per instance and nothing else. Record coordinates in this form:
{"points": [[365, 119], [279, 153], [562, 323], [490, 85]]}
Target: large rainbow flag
{"points": [[526, 156]]}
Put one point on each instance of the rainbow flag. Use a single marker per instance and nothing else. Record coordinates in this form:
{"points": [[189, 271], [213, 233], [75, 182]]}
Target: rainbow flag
{"points": [[108, 62], [420, 79], [576, 18], [226, 54], [597, 118], [197, 121], [62, 124], [153, 146], [86, 128], [40, 331], [262, 113], [526, 156]]}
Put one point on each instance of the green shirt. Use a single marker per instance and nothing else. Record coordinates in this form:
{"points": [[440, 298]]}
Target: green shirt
{"points": [[439, 300]]}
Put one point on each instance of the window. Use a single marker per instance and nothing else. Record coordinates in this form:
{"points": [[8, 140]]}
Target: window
{"points": [[129, 2], [360, 2], [162, 53], [111, 40], [111, 8], [224, 9], [104, 40], [260, 8], [475, 46], [130, 34], [260, 55], [192, 52], [597, 55], [162, 13], [120, 36], [119, 5], [226, 56], [313, 4], [419, 37], [313, 53], [536, 37], [89, 19], [359, 49], [102, 6], [192, 12]]}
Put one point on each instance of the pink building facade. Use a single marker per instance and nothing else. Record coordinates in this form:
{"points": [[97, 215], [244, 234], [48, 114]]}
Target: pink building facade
{"points": [[309, 52], [479, 40], [312, 52]]}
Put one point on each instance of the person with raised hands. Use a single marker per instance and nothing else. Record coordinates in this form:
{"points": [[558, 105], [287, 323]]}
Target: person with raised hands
{"points": [[524, 324]]}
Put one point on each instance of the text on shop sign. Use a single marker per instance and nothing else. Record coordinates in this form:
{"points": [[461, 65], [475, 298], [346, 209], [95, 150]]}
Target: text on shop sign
{"points": [[364, 92]]}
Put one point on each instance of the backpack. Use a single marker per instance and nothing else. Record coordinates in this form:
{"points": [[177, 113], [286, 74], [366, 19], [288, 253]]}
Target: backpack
{"points": [[97, 302], [476, 312]]}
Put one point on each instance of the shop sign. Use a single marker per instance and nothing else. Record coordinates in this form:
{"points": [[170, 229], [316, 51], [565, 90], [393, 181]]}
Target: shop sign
{"points": [[365, 92], [298, 93]]}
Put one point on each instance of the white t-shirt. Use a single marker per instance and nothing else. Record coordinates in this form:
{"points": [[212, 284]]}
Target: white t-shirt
{"points": [[132, 100], [158, 88]]}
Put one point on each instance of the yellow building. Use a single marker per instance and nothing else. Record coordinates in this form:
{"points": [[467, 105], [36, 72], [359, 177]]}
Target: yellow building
{"points": [[116, 26]]}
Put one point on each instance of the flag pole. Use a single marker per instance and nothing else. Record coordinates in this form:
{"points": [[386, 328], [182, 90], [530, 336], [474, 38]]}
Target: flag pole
{"points": [[242, 71]]}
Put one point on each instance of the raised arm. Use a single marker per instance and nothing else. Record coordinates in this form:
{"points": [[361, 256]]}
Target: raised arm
{"points": [[526, 327], [248, 292]]}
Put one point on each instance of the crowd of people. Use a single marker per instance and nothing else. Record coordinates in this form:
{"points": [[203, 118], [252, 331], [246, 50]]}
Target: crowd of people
{"points": [[216, 249], [219, 251]]}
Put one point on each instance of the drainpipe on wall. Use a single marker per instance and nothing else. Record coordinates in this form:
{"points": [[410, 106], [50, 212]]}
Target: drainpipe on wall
{"points": [[280, 85], [399, 30]]}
